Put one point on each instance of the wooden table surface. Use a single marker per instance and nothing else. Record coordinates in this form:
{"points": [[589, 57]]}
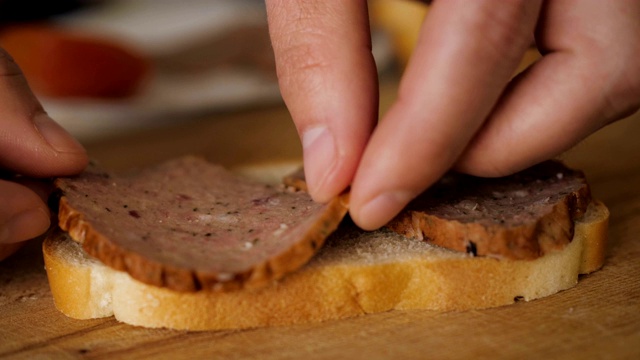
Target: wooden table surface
{"points": [[600, 318]]}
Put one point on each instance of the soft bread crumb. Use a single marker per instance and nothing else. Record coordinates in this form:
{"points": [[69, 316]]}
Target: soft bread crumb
{"points": [[84, 284], [269, 173], [352, 246]]}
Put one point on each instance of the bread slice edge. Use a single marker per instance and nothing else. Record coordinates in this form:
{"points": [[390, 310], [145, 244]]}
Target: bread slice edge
{"points": [[83, 288]]}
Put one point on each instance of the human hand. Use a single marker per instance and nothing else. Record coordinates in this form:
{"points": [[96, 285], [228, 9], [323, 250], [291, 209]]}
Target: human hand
{"points": [[32, 146], [457, 105]]}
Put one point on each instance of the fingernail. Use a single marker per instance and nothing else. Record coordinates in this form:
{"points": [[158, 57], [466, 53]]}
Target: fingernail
{"points": [[25, 225], [55, 135], [319, 157], [382, 208]]}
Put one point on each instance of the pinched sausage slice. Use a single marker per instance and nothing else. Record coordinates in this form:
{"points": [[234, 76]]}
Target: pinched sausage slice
{"points": [[189, 225], [522, 216]]}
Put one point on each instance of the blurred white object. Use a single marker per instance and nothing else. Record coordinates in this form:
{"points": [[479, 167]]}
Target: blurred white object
{"points": [[160, 29]]}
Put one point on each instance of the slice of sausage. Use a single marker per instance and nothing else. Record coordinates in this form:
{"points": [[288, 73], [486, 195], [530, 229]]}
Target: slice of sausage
{"points": [[522, 216], [190, 225]]}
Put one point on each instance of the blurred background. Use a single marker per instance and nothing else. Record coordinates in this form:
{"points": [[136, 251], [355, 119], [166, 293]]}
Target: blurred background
{"points": [[103, 68], [138, 81]]}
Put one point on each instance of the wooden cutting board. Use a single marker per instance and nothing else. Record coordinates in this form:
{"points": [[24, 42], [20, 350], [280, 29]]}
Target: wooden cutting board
{"points": [[600, 318]]}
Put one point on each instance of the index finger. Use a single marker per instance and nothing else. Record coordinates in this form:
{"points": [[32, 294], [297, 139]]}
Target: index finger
{"points": [[466, 54], [328, 80]]}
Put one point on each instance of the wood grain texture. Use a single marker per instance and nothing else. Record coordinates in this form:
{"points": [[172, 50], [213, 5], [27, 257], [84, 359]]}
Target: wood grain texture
{"points": [[599, 318]]}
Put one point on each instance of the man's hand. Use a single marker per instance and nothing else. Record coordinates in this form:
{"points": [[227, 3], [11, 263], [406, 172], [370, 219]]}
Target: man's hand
{"points": [[32, 145], [457, 105]]}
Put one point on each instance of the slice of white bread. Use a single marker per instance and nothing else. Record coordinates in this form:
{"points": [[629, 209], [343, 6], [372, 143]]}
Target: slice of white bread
{"points": [[355, 273]]}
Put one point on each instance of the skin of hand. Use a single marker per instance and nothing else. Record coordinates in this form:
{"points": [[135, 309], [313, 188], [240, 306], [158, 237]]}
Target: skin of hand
{"points": [[32, 146], [458, 106]]}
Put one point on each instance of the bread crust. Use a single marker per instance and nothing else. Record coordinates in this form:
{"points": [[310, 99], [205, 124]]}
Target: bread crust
{"points": [[156, 273], [549, 232]]}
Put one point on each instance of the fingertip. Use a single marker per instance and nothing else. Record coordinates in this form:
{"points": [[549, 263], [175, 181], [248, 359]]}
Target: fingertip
{"points": [[380, 209], [328, 80], [325, 184], [74, 163], [70, 154], [319, 149], [328, 167], [56, 136], [46, 150]]}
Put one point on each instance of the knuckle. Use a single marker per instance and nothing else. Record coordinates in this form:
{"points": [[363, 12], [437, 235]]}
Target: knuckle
{"points": [[302, 62], [608, 53], [506, 29], [629, 90], [302, 42], [622, 96], [622, 102], [303, 56]]}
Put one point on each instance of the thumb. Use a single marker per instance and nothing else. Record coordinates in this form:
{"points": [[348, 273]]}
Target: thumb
{"points": [[31, 143]]}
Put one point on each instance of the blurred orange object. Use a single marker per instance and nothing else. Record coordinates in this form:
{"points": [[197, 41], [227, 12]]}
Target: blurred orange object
{"points": [[403, 20], [62, 63]]}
